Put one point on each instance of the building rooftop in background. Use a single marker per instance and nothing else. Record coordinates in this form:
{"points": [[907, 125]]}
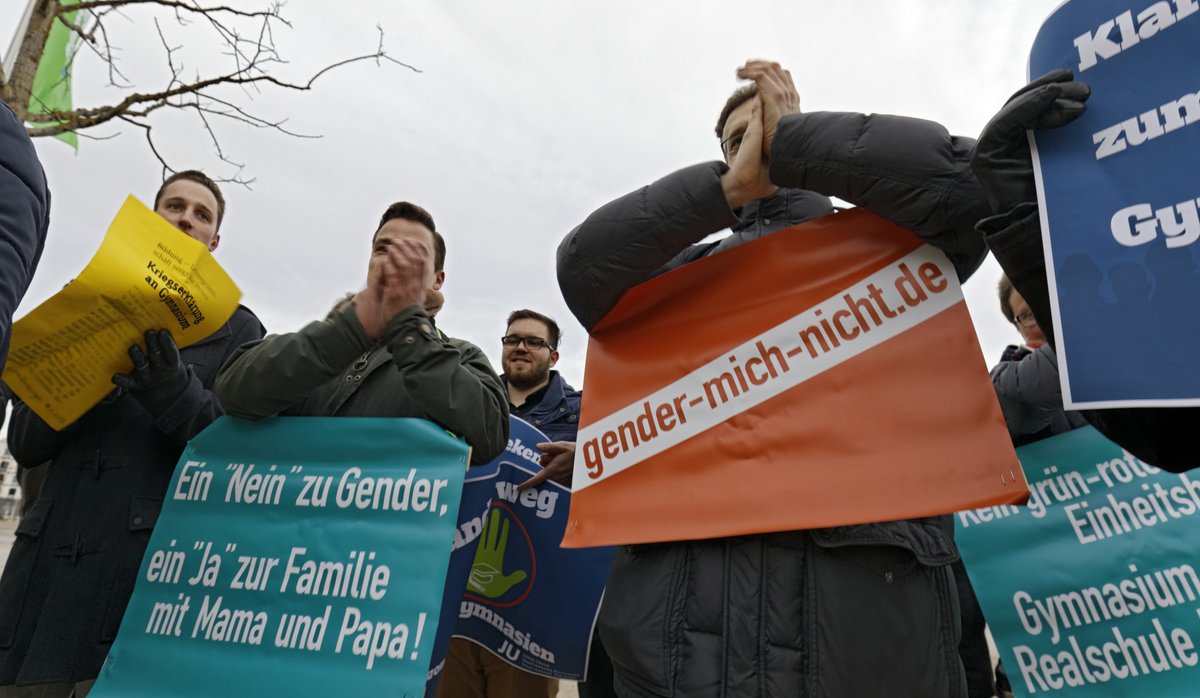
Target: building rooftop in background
{"points": [[10, 488]]}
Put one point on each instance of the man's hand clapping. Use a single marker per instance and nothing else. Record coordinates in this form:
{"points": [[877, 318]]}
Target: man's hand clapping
{"points": [[749, 177], [396, 279]]}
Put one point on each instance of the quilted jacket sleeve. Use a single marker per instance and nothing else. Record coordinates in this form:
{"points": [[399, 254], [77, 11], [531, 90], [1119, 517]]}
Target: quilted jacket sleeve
{"points": [[910, 171], [1028, 390], [627, 240]]}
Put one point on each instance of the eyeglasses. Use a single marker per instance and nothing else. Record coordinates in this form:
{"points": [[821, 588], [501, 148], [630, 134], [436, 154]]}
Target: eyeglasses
{"points": [[531, 343], [1025, 319], [731, 145]]}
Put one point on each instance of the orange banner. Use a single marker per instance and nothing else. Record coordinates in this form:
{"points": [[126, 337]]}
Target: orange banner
{"points": [[823, 375]]}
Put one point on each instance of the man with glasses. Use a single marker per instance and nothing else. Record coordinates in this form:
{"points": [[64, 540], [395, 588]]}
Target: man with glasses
{"points": [[539, 395], [1026, 379], [847, 611]]}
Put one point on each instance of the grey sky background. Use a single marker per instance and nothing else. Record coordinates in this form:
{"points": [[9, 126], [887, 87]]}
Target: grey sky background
{"points": [[526, 117]]}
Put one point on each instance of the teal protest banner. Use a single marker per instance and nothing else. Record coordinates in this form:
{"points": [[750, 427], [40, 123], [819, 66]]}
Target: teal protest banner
{"points": [[295, 556], [1091, 590]]}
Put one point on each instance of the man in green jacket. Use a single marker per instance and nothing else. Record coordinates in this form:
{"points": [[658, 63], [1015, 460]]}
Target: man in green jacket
{"points": [[381, 355]]}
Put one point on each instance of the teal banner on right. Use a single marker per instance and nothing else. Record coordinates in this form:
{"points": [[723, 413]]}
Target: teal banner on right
{"points": [[1091, 589]]}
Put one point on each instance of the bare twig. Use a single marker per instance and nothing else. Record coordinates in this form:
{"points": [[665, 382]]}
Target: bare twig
{"points": [[176, 4], [93, 137], [254, 59]]}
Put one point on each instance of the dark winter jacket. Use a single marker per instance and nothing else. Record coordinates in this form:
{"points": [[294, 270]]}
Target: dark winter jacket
{"points": [[1161, 436], [847, 611], [556, 414], [1028, 389], [1030, 395], [24, 218], [331, 368], [76, 555]]}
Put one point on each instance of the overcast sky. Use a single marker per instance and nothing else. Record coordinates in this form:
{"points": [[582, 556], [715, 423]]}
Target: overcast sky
{"points": [[525, 117]]}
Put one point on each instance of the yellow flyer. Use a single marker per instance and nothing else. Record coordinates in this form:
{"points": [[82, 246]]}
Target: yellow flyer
{"points": [[146, 275]]}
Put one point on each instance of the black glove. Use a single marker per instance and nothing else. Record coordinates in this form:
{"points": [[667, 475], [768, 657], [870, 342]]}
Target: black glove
{"points": [[158, 377], [1001, 159]]}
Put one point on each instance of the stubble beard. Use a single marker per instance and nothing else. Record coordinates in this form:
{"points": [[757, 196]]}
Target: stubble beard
{"points": [[538, 373]]}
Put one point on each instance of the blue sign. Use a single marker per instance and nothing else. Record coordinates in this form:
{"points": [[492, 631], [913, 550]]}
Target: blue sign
{"points": [[1093, 588], [528, 601], [296, 556], [1119, 190]]}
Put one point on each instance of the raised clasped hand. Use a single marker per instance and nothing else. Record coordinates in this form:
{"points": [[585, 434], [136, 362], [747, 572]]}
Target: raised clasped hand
{"points": [[749, 175], [397, 278], [777, 94]]}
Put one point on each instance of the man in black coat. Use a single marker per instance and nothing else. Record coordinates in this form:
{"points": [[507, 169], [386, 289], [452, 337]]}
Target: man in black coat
{"points": [[77, 552], [24, 218], [846, 611]]}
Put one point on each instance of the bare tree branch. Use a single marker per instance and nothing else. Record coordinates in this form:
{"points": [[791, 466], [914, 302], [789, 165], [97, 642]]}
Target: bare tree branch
{"points": [[189, 7], [107, 56], [149, 140], [93, 137], [85, 118], [247, 37]]}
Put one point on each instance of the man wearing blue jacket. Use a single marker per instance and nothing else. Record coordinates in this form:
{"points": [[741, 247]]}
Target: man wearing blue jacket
{"points": [[540, 396]]}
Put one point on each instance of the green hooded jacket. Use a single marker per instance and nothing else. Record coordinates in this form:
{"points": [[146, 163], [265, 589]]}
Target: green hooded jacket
{"points": [[331, 368]]}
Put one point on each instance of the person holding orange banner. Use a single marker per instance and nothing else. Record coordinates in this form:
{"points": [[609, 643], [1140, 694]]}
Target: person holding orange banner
{"points": [[848, 611], [75, 560]]}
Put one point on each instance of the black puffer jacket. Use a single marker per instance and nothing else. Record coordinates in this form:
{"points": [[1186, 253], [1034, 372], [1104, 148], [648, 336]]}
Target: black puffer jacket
{"points": [[1030, 395], [24, 218], [849, 611], [1161, 436]]}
